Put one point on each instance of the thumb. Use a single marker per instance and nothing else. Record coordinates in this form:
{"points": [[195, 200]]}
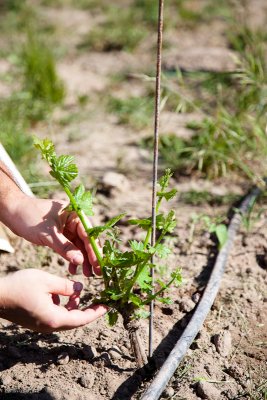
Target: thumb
{"points": [[66, 249], [63, 286]]}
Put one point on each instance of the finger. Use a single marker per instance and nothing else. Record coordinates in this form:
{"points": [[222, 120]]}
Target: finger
{"points": [[87, 268], [63, 286], [91, 254], [73, 268], [64, 319], [66, 249], [55, 299], [73, 302]]}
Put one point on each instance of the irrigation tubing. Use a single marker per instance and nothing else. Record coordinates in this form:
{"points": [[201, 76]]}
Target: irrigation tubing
{"points": [[177, 354]]}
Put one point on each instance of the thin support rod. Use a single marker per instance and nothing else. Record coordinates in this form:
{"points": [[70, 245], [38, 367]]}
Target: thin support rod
{"points": [[177, 354], [155, 162]]}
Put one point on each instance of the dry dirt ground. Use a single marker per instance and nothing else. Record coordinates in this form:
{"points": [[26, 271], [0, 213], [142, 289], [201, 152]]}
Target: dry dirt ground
{"points": [[228, 358]]}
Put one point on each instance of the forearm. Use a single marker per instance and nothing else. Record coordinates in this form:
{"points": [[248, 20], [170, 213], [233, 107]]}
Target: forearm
{"points": [[10, 197]]}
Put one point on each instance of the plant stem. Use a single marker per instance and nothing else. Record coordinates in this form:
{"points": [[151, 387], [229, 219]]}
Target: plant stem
{"points": [[87, 226], [152, 297]]}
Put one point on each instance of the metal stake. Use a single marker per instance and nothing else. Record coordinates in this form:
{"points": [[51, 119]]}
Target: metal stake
{"points": [[155, 162]]}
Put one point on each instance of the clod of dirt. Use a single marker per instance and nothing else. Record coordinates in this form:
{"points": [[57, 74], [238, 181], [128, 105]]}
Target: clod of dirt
{"points": [[115, 353], [63, 358], [168, 393], [223, 343], [186, 305], [196, 297], [5, 380], [87, 381], [206, 390]]}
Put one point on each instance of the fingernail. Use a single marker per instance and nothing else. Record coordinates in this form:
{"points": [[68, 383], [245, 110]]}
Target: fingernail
{"points": [[77, 286], [78, 259]]}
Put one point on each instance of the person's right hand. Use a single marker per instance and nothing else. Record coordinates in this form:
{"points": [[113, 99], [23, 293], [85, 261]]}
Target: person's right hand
{"points": [[30, 298]]}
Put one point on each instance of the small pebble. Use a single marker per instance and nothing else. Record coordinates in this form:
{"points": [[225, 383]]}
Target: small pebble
{"points": [[63, 358], [186, 305], [168, 393], [206, 390], [223, 343], [87, 381], [115, 353], [5, 380], [196, 297]]}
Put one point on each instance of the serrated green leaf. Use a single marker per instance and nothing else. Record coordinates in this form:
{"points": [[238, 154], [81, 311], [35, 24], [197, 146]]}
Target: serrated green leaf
{"points": [[96, 230], [64, 170], [164, 180], [46, 147], [167, 195], [162, 250], [177, 276], [141, 313], [136, 246], [112, 317], [144, 279], [164, 300], [170, 222], [144, 223], [135, 299]]}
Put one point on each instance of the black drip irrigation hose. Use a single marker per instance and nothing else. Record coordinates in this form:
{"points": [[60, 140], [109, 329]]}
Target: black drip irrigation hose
{"points": [[170, 365]]}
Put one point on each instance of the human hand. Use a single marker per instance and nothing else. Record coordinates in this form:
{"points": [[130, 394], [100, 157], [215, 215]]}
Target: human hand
{"points": [[45, 222], [30, 298]]}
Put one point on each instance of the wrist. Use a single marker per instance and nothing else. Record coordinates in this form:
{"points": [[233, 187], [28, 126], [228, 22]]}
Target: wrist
{"points": [[12, 208]]}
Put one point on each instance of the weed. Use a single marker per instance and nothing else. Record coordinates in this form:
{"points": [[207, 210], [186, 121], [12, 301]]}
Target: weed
{"points": [[135, 111], [211, 225], [119, 31], [39, 72], [197, 198]]}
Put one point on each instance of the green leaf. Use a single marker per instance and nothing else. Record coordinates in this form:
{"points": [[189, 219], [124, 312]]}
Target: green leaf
{"points": [[135, 300], [167, 195], [165, 179], [96, 230], [144, 279], [136, 246], [170, 222], [177, 276], [164, 300], [112, 317], [46, 147], [114, 220], [84, 200], [142, 223], [64, 170], [222, 234], [141, 313], [162, 250]]}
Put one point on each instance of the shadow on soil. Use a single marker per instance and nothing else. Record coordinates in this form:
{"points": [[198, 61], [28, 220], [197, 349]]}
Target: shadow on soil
{"points": [[26, 396], [28, 347]]}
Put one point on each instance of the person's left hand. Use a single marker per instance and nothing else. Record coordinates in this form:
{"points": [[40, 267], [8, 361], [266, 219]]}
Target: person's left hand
{"points": [[30, 298], [45, 222]]}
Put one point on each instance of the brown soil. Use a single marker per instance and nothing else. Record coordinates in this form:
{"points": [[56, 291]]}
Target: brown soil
{"points": [[96, 362]]}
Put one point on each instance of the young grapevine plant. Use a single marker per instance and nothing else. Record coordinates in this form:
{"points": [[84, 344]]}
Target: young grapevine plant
{"points": [[126, 274]]}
